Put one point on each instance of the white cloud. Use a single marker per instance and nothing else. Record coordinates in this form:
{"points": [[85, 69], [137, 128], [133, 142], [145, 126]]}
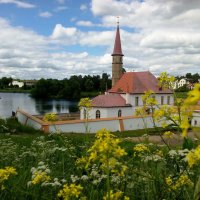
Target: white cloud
{"points": [[19, 4], [45, 14], [84, 23], [83, 7], [156, 35]]}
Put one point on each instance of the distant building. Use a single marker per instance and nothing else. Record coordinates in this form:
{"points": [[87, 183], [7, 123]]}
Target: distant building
{"points": [[127, 90], [21, 83], [30, 83], [17, 83]]}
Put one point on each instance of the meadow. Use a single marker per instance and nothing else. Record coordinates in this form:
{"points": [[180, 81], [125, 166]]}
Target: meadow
{"points": [[105, 165], [84, 166]]}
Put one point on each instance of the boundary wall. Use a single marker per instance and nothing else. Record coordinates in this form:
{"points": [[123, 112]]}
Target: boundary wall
{"points": [[79, 126]]}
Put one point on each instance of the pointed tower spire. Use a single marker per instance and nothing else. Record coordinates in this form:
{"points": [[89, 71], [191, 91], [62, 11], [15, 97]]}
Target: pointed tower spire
{"points": [[117, 47], [117, 57]]}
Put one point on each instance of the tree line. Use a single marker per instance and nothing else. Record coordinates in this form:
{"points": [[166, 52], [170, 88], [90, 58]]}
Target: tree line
{"points": [[75, 87], [192, 78]]}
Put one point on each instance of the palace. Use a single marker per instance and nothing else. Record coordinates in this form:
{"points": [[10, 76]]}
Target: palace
{"points": [[127, 90]]}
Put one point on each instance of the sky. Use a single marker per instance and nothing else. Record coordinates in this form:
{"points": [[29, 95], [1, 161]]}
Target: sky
{"points": [[61, 38]]}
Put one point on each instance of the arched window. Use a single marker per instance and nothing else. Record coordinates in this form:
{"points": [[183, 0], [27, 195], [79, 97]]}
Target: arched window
{"points": [[119, 113], [98, 114], [84, 113]]}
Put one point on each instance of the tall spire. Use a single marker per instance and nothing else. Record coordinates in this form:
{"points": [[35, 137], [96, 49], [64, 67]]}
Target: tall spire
{"points": [[117, 58], [117, 47]]}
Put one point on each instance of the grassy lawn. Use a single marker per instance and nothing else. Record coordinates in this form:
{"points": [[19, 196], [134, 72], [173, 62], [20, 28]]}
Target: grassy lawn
{"points": [[35, 166]]}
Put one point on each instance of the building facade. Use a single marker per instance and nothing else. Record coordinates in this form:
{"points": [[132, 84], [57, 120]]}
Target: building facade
{"points": [[125, 96]]}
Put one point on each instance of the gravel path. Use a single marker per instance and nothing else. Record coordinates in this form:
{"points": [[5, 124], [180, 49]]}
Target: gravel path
{"points": [[177, 139]]}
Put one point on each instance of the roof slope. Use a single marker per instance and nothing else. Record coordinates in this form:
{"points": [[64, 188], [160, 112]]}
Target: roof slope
{"points": [[138, 82], [109, 100]]}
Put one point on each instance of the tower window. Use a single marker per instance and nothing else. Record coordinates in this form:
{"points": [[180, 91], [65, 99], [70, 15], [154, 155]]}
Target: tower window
{"points": [[119, 113], [98, 114]]}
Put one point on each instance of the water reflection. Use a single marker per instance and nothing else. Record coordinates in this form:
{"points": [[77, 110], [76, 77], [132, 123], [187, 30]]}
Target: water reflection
{"points": [[11, 101]]}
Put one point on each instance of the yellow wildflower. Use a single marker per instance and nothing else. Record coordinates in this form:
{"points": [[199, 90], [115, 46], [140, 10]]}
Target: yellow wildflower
{"points": [[105, 150], [40, 177], [183, 180], [85, 103], [70, 191], [50, 117], [113, 196], [169, 181], [166, 81], [5, 174], [193, 96], [193, 156], [140, 148], [168, 134], [184, 125]]}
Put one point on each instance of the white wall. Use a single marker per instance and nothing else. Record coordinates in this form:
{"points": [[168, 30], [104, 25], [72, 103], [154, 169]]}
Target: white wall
{"points": [[24, 119], [108, 112], [20, 84], [196, 119]]}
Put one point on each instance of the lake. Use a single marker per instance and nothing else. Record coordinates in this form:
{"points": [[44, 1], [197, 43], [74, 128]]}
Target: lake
{"points": [[11, 101]]}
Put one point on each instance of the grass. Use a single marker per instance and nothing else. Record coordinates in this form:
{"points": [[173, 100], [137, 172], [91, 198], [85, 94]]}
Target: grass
{"points": [[28, 151]]}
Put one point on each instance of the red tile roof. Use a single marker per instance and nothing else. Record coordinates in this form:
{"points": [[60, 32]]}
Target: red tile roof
{"points": [[117, 48], [109, 100], [138, 82]]}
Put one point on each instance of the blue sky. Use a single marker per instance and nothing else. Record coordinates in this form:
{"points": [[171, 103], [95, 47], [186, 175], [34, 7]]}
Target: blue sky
{"points": [[60, 38]]}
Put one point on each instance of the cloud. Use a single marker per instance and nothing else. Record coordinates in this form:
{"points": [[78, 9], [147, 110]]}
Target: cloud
{"points": [[83, 7], [45, 14], [61, 8], [156, 35], [19, 4], [61, 1], [84, 23]]}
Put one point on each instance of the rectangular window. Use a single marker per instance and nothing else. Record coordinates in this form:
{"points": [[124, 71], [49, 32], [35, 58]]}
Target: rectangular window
{"points": [[136, 101], [162, 100], [168, 100]]}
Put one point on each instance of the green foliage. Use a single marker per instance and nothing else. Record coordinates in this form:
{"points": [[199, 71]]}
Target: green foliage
{"points": [[12, 126], [73, 88], [184, 88]]}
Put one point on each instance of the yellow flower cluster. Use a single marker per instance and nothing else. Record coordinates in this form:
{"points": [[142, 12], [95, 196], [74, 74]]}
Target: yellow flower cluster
{"points": [[5, 174], [70, 191], [168, 134], [193, 156], [148, 99], [140, 148], [85, 103], [183, 180], [166, 81], [140, 111], [106, 150], [115, 196], [40, 177], [193, 96], [50, 117], [192, 99]]}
